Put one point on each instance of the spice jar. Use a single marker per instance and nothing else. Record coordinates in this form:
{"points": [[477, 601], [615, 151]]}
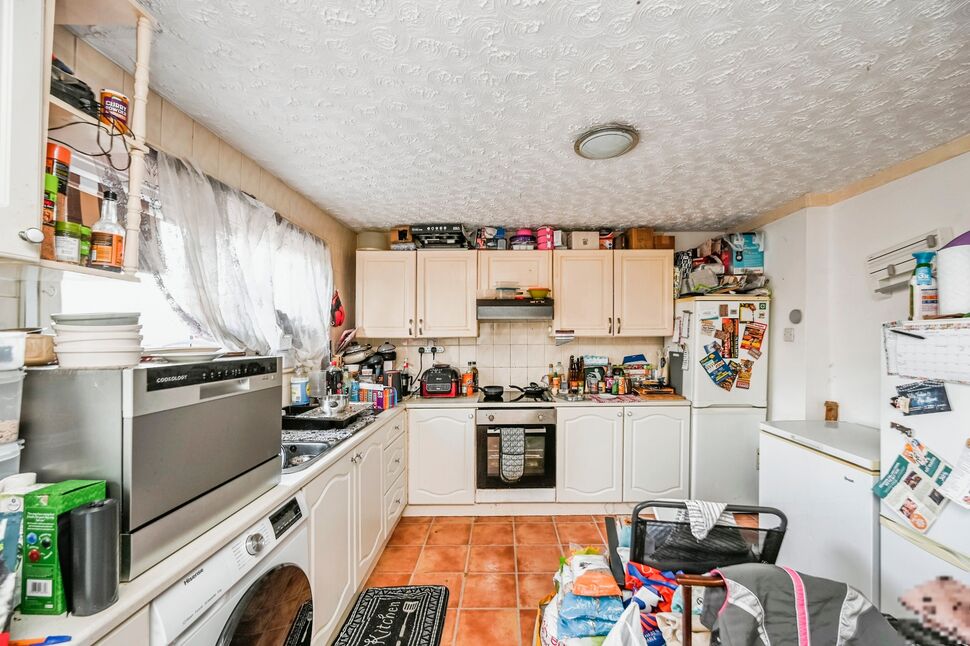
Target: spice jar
{"points": [[67, 242], [85, 251]]}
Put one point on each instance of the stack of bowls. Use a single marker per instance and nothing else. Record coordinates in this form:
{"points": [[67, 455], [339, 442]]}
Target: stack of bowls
{"points": [[102, 340]]}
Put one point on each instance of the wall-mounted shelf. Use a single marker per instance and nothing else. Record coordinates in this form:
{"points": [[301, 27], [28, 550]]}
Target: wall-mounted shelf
{"points": [[88, 134], [99, 12], [54, 265]]}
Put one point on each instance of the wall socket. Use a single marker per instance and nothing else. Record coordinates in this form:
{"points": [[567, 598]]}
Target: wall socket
{"points": [[431, 349], [790, 334]]}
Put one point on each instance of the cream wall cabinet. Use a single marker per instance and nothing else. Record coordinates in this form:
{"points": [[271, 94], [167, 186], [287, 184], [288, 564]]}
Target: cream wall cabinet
{"points": [[441, 456], [643, 292], [583, 291], [589, 454], [656, 452], [386, 282], [446, 293], [523, 268]]}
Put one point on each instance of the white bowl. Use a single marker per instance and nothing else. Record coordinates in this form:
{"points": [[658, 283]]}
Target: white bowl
{"points": [[91, 329], [98, 345], [114, 359], [97, 318], [65, 337]]}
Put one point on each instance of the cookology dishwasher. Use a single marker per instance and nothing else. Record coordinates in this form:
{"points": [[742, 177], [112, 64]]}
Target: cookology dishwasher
{"points": [[181, 446]]}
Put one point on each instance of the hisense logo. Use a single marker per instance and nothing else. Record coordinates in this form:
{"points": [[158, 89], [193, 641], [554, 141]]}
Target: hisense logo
{"points": [[192, 577]]}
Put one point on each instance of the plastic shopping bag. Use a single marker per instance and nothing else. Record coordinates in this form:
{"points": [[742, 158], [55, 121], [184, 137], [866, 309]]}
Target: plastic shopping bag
{"points": [[590, 574], [663, 584], [627, 631]]}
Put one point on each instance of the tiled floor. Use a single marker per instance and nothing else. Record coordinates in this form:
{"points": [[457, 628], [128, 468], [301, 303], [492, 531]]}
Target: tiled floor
{"points": [[497, 568]]}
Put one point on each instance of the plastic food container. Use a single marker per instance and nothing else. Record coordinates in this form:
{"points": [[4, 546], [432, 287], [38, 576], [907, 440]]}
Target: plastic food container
{"points": [[10, 458], [12, 346], [11, 389]]}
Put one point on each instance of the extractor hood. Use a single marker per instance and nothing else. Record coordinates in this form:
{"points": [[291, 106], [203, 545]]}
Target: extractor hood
{"points": [[515, 309]]}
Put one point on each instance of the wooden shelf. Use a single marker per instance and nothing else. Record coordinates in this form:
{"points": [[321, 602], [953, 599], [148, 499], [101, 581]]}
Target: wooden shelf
{"points": [[88, 134], [99, 12], [87, 271]]}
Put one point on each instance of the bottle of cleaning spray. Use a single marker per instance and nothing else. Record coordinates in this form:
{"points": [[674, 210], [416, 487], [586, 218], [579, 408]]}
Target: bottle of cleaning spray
{"points": [[923, 300]]}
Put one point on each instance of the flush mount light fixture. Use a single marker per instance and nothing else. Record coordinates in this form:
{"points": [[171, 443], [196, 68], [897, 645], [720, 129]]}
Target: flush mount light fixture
{"points": [[606, 141]]}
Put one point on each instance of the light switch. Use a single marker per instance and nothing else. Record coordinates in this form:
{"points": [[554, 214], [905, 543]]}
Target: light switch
{"points": [[790, 334]]}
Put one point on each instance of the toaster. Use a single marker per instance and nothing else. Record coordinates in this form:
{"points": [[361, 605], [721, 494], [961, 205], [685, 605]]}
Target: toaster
{"points": [[440, 380]]}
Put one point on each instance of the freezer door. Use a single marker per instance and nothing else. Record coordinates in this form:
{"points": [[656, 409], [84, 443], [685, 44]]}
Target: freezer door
{"points": [[909, 561], [724, 454], [706, 321]]}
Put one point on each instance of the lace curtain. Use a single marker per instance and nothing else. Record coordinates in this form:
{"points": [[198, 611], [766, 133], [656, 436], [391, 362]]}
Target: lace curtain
{"points": [[233, 270]]}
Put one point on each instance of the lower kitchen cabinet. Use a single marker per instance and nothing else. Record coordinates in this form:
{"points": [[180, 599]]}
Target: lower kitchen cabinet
{"points": [[369, 499], [441, 456], [656, 453], [589, 454]]}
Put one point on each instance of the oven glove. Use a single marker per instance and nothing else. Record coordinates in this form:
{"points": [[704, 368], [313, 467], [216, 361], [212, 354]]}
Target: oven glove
{"points": [[512, 454]]}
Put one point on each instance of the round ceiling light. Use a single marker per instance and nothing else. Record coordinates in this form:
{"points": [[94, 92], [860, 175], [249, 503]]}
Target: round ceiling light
{"points": [[606, 142]]}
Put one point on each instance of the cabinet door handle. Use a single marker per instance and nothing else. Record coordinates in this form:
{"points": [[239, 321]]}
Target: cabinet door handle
{"points": [[618, 325], [410, 327], [397, 501], [32, 235], [420, 327], [629, 413], [619, 413], [397, 460], [610, 319], [471, 415]]}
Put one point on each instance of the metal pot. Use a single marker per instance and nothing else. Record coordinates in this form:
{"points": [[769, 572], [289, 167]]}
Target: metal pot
{"points": [[357, 353]]}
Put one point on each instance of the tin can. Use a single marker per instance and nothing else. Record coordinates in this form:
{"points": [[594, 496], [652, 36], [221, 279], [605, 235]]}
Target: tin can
{"points": [[468, 383], [114, 109]]}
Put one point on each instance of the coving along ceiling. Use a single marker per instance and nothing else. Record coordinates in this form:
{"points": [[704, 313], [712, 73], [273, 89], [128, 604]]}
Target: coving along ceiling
{"points": [[401, 111]]}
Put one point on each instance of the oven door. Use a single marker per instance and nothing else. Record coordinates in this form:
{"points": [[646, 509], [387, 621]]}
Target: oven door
{"points": [[538, 466]]}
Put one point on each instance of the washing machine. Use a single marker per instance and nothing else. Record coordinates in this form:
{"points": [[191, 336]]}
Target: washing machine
{"points": [[254, 591]]}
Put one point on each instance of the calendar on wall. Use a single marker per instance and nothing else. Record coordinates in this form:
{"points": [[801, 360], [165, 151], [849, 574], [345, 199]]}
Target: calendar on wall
{"points": [[929, 349]]}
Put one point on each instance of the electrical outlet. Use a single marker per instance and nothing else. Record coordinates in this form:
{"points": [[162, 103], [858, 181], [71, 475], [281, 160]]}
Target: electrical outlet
{"points": [[790, 334]]}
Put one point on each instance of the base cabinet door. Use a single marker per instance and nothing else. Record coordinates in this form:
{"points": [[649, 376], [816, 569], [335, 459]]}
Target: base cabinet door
{"points": [[369, 501], [441, 457], [333, 558], [656, 453], [589, 454]]}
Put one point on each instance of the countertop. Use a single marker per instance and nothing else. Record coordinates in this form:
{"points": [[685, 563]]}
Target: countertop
{"points": [[477, 401], [134, 595], [853, 443]]}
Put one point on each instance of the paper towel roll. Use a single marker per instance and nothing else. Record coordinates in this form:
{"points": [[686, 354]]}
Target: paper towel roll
{"points": [[953, 279]]}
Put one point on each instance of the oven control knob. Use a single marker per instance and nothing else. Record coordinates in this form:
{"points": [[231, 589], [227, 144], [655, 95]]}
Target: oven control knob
{"points": [[539, 417], [255, 544], [491, 418]]}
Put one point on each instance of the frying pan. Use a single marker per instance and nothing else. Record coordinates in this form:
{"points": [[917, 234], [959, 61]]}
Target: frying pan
{"points": [[532, 390], [491, 391]]}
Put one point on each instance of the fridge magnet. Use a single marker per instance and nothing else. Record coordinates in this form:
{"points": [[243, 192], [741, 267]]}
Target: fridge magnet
{"points": [[754, 334], [744, 376], [735, 369], [746, 312], [707, 315], [716, 368], [921, 398], [957, 486], [707, 327], [723, 310], [912, 486]]}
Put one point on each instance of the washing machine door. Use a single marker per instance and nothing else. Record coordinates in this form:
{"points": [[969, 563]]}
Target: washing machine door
{"points": [[276, 610]]}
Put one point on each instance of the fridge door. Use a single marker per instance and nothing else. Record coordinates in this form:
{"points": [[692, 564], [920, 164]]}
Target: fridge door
{"points": [[908, 561], [724, 454], [812, 489], [706, 321], [944, 435]]}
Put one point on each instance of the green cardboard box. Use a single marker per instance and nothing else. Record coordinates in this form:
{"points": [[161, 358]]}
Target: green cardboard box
{"points": [[45, 510]]}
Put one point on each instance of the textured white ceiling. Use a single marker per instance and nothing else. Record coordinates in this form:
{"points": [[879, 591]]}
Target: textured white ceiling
{"points": [[400, 111]]}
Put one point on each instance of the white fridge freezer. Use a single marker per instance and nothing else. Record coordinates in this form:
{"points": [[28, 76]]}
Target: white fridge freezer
{"points": [[820, 475], [724, 421], [911, 558]]}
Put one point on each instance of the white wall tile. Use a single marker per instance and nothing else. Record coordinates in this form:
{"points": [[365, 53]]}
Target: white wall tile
{"points": [[519, 355], [486, 333], [536, 355], [467, 353], [519, 376], [501, 333], [500, 377], [518, 333], [538, 329], [485, 356], [501, 356]]}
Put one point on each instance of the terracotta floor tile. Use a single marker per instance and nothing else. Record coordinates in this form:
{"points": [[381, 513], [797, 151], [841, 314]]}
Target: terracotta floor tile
{"points": [[527, 626], [448, 632], [494, 519], [398, 559], [416, 520], [453, 520], [573, 519], [579, 533], [533, 588], [491, 558], [489, 591], [537, 558], [441, 558], [492, 534], [536, 534], [387, 580], [491, 627], [409, 534], [449, 534], [454, 581], [525, 520]]}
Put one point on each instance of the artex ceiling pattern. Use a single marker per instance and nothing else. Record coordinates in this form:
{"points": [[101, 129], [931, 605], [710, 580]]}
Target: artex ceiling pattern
{"points": [[390, 111]]}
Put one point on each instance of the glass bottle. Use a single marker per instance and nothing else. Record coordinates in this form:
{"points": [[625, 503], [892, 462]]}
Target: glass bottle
{"points": [[108, 236]]}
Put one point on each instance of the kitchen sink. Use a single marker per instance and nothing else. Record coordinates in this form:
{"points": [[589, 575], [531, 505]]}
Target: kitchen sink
{"points": [[297, 456]]}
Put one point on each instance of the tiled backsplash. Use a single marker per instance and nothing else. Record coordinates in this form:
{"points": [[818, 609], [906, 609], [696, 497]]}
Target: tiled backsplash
{"points": [[517, 353]]}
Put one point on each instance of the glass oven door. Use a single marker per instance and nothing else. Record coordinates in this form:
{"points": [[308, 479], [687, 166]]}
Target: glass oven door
{"points": [[534, 470]]}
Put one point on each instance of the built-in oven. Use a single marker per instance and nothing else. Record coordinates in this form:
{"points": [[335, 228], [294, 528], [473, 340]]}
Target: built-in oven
{"points": [[516, 448]]}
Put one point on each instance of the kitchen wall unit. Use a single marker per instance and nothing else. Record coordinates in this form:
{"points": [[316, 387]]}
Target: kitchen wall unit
{"points": [[656, 453], [589, 454], [409, 294], [386, 282], [446, 293], [523, 268], [614, 293], [441, 456]]}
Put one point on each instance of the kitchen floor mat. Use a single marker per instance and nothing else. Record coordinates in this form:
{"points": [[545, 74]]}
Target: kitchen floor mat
{"points": [[410, 615]]}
